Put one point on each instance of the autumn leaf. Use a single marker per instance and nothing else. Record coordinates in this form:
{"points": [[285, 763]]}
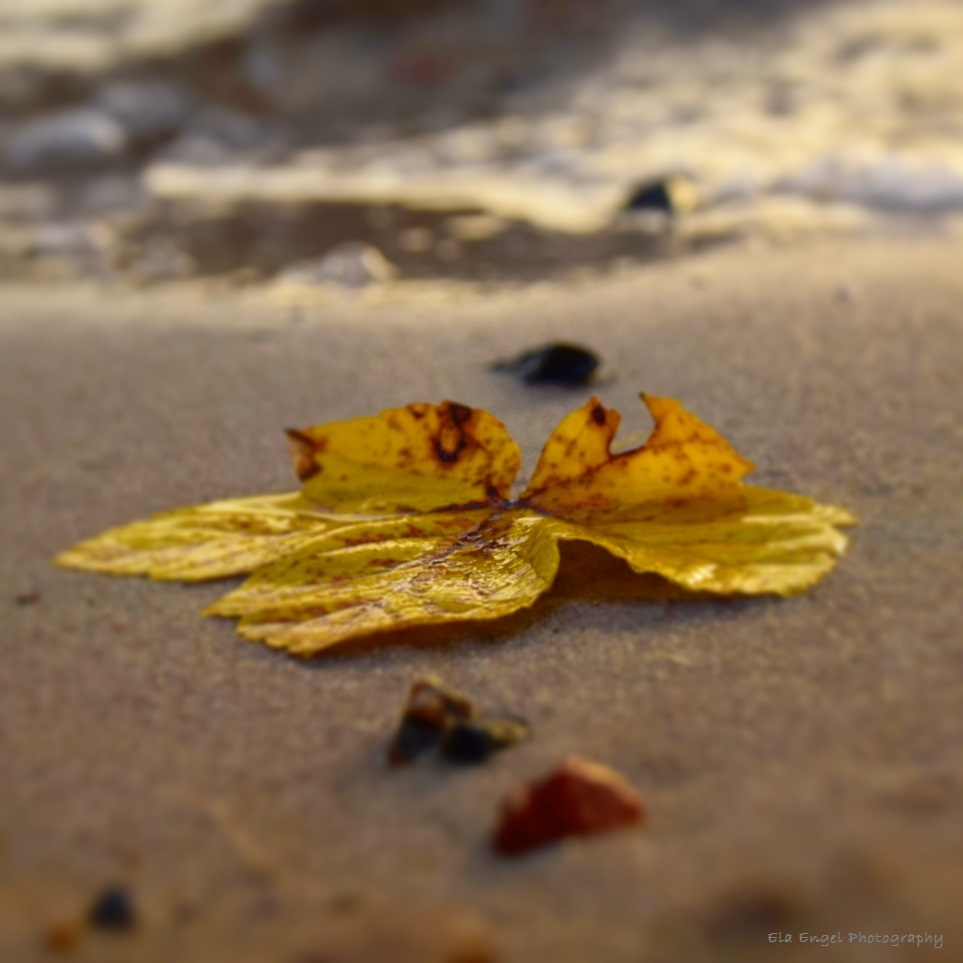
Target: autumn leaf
{"points": [[406, 518]]}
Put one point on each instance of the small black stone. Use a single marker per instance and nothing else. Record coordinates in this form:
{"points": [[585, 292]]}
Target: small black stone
{"points": [[414, 738], [560, 363], [651, 196], [467, 743], [473, 741], [113, 910]]}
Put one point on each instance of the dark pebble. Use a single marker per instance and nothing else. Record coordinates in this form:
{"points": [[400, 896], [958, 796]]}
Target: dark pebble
{"points": [[113, 910], [559, 363], [467, 743], [414, 738], [430, 699], [437, 717], [472, 742], [431, 708], [651, 196]]}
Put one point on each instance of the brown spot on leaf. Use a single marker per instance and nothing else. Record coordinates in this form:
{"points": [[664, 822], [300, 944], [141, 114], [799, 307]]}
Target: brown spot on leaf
{"points": [[451, 439], [418, 409], [459, 413], [598, 414], [303, 450], [383, 562]]}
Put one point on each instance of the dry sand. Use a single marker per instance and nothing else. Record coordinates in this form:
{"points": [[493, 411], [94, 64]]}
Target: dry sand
{"points": [[801, 759]]}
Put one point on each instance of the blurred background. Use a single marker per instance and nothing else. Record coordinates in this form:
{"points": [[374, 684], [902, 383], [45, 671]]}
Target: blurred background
{"points": [[802, 758], [365, 142]]}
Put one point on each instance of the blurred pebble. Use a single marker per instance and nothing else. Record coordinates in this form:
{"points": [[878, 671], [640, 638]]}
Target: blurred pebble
{"points": [[653, 196], [560, 363], [475, 227], [431, 708], [81, 138], [472, 741], [64, 937], [448, 249], [162, 259], [109, 193], [215, 135], [350, 265], [413, 738], [436, 716], [147, 111], [113, 910], [847, 292], [579, 798], [85, 245], [466, 743], [416, 240], [666, 195]]}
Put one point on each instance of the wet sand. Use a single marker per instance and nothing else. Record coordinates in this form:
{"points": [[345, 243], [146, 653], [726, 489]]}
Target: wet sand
{"points": [[800, 758]]}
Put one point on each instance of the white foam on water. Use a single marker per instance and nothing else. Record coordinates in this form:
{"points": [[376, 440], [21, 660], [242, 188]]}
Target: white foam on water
{"points": [[857, 104]]}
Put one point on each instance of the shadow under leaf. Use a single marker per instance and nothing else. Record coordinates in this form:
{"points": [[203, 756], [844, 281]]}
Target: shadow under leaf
{"points": [[587, 574]]}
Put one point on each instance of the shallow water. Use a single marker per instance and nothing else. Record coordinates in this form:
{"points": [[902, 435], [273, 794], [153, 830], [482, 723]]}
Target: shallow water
{"points": [[779, 120]]}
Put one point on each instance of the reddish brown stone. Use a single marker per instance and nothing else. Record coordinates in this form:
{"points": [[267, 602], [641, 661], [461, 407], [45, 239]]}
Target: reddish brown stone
{"points": [[64, 937], [577, 799]]}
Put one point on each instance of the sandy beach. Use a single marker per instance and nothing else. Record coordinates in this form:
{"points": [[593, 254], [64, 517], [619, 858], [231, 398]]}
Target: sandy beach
{"points": [[800, 758]]}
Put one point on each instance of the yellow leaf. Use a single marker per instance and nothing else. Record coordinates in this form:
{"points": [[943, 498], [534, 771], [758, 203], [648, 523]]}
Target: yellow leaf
{"points": [[418, 458], [217, 540], [684, 460], [405, 519], [326, 593]]}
